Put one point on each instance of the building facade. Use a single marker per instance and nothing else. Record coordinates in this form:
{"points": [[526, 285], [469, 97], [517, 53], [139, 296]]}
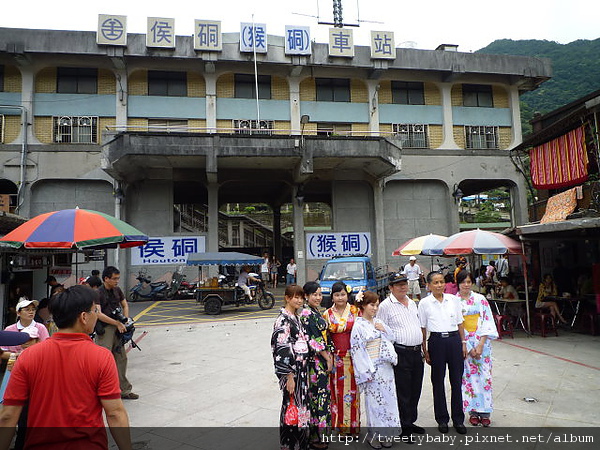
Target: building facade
{"points": [[136, 132]]}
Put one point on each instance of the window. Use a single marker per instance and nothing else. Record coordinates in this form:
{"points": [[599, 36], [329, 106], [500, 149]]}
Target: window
{"points": [[1, 78], [333, 89], [481, 137], [167, 125], [411, 135], [408, 93], [73, 80], [334, 129], [478, 95], [167, 84], [247, 126], [1, 129], [75, 129], [245, 86]]}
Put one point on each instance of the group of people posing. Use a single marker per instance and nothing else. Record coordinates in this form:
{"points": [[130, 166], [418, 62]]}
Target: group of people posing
{"points": [[325, 360]]}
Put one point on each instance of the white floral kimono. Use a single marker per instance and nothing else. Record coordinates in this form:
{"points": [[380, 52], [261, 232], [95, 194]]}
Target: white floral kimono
{"points": [[373, 355]]}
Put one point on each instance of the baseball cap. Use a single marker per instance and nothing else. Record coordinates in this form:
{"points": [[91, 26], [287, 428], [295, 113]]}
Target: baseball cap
{"points": [[412, 258], [50, 279], [25, 302], [396, 277], [12, 338]]}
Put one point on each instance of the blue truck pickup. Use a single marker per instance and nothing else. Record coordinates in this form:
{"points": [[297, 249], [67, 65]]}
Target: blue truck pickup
{"points": [[357, 272]]}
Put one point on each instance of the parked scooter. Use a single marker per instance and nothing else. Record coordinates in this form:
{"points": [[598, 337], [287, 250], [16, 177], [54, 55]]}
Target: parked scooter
{"points": [[146, 290]]}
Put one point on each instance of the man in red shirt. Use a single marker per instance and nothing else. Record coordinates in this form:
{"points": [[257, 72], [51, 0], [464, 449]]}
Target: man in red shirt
{"points": [[68, 381]]}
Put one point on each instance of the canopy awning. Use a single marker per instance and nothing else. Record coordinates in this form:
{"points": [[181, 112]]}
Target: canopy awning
{"points": [[222, 259]]}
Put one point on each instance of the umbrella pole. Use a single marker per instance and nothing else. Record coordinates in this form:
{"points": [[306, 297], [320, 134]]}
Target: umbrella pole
{"points": [[524, 263]]}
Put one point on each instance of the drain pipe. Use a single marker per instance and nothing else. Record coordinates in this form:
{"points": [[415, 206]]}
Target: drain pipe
{"points": [[23, 164]]}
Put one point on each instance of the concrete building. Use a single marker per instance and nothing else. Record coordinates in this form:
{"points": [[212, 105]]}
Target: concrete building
{"points": [[134, 131]]}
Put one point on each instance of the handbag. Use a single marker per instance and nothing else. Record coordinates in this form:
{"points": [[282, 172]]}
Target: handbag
{"points": [[291, 413]]}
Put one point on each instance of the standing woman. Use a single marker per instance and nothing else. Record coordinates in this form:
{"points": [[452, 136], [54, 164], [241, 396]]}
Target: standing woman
{"points": [[340, 318], [274, 268], [320, 364], [373, 355], [480, 330], [289, 345]]}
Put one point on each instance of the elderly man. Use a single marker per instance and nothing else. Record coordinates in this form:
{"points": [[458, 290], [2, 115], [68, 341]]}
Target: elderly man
{"points": [[68, 381], [399, 313], [414, 274]]}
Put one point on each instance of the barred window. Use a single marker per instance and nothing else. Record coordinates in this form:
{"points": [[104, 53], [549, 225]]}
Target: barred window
{"points": [[167, 84], [478, 95], [248, 126], [334, 129], [481, 137], [408, 93], [411, 135], [74, 80], [245, 86], [75, 129], [333, 89], [167, 125]]}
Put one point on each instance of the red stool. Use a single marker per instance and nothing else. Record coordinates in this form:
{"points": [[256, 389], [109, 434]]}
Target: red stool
{"points": [[504, 325], [591, 317], [543, 321]]}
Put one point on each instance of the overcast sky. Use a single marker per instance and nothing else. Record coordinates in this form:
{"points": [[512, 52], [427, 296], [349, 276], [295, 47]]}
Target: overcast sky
{"points": [[471, 24]]}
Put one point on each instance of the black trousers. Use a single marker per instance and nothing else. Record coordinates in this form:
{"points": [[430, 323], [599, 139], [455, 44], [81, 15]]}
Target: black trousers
{"points": [[447, 352], [408, 376]]}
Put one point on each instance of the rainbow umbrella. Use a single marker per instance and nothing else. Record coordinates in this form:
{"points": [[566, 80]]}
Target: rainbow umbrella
{"points": [[420, 245], [75, 229], [478, 242]]}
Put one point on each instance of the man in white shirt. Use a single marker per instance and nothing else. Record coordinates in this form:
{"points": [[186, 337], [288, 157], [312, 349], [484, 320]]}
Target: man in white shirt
{"points": [[264, 268], [399, 313], [413, 273], [441, 315], [502, 266], [243, 279]]}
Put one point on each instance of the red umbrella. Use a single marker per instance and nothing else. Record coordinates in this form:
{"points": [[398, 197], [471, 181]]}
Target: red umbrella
{"points": [[478, 242]]}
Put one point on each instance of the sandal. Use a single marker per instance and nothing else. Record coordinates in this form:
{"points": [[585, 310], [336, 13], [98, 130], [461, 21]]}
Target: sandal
{"points": [[485, 421], [475, 420]]}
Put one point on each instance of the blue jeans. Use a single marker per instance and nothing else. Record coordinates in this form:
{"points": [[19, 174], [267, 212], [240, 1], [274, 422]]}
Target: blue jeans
{"points": [[289, 278]]}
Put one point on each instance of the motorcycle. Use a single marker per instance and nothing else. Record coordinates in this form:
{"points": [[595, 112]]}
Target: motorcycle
{"points": [[185, 290], [147, 290]]}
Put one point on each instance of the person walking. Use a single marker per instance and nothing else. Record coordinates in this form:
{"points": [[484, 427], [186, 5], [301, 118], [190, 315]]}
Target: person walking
{"points": [[274, 269], [414, 274], [480, 330], [264, 268], [400, 314], [290, 277], [441, 315]]}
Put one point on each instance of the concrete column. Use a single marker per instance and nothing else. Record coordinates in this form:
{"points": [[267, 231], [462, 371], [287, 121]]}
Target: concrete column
{"points": [[295, 112], [27, 92], [515, 116], [213, 217], [380, 256], [121, 100], [277, 231], [373, 92], [299, 244], [447, 126], [229, 233], [211, 102], [518, 202]]}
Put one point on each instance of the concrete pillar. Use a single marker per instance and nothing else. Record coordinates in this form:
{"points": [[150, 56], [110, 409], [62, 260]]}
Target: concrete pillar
{"points": [[277, 231], [27, 92], [213, 223], [380, 256], [295, 112], [373, 92], [211, 102], [518, 202], [299, 241], [515, 116], [447, 125], [121, 100]]}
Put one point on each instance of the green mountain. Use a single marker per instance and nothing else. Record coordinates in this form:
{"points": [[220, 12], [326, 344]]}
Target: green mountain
{"points": [[575, 66]]}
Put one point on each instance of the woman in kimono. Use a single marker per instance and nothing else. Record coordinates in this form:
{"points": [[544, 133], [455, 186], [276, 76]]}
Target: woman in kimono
{"points": [[480, 330], [373, 355], [340, 318], [320, 364], [289, 345]]}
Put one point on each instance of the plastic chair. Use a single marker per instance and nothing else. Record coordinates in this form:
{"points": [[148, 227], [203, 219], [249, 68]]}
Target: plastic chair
{"points": [[543, 322], [504, 325]]}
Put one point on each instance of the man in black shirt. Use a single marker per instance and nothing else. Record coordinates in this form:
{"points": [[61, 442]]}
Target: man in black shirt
{"points": [[112, 297]]}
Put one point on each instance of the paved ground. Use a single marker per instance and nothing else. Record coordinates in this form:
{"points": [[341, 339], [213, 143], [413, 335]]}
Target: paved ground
{"points": [[220, 374]]}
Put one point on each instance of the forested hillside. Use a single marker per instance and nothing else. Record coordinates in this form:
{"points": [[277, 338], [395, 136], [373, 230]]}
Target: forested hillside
{"points": [[575, 66]]}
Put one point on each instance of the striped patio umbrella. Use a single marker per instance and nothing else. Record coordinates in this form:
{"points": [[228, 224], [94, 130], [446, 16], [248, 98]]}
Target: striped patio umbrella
{"points": [[477, 242], [74, 229], [420, 245]]}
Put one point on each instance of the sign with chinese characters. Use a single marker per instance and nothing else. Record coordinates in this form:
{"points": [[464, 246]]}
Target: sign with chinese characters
{"points": [[167, 250], [328, 245], [382, 45], [297, 40], [207, 35], [112, 30], [341, 42], [160, 32], [253, 36]]}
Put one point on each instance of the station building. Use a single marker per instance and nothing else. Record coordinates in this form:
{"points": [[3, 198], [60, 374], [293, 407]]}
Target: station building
{"points": [[140, 133]]}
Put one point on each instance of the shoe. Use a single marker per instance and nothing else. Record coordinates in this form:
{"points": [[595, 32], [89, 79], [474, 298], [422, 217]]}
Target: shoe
{"points": [[407, 437], [485, 421], [443, 427], [417, 429], [386, 444], [130, 396], [374, 443], [319, 445], [460, 429], [474, 420]]}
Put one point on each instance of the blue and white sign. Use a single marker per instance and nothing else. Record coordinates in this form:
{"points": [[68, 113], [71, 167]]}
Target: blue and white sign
{"points": [[253, 36], [207, 35], [297, 40], [328, 245], [382, 45], [167, 250], [341, 42], [160, 32], [112, 30]]}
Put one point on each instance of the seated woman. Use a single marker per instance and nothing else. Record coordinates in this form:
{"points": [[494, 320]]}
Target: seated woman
{"points": [[507, 291], [548, 288]]}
